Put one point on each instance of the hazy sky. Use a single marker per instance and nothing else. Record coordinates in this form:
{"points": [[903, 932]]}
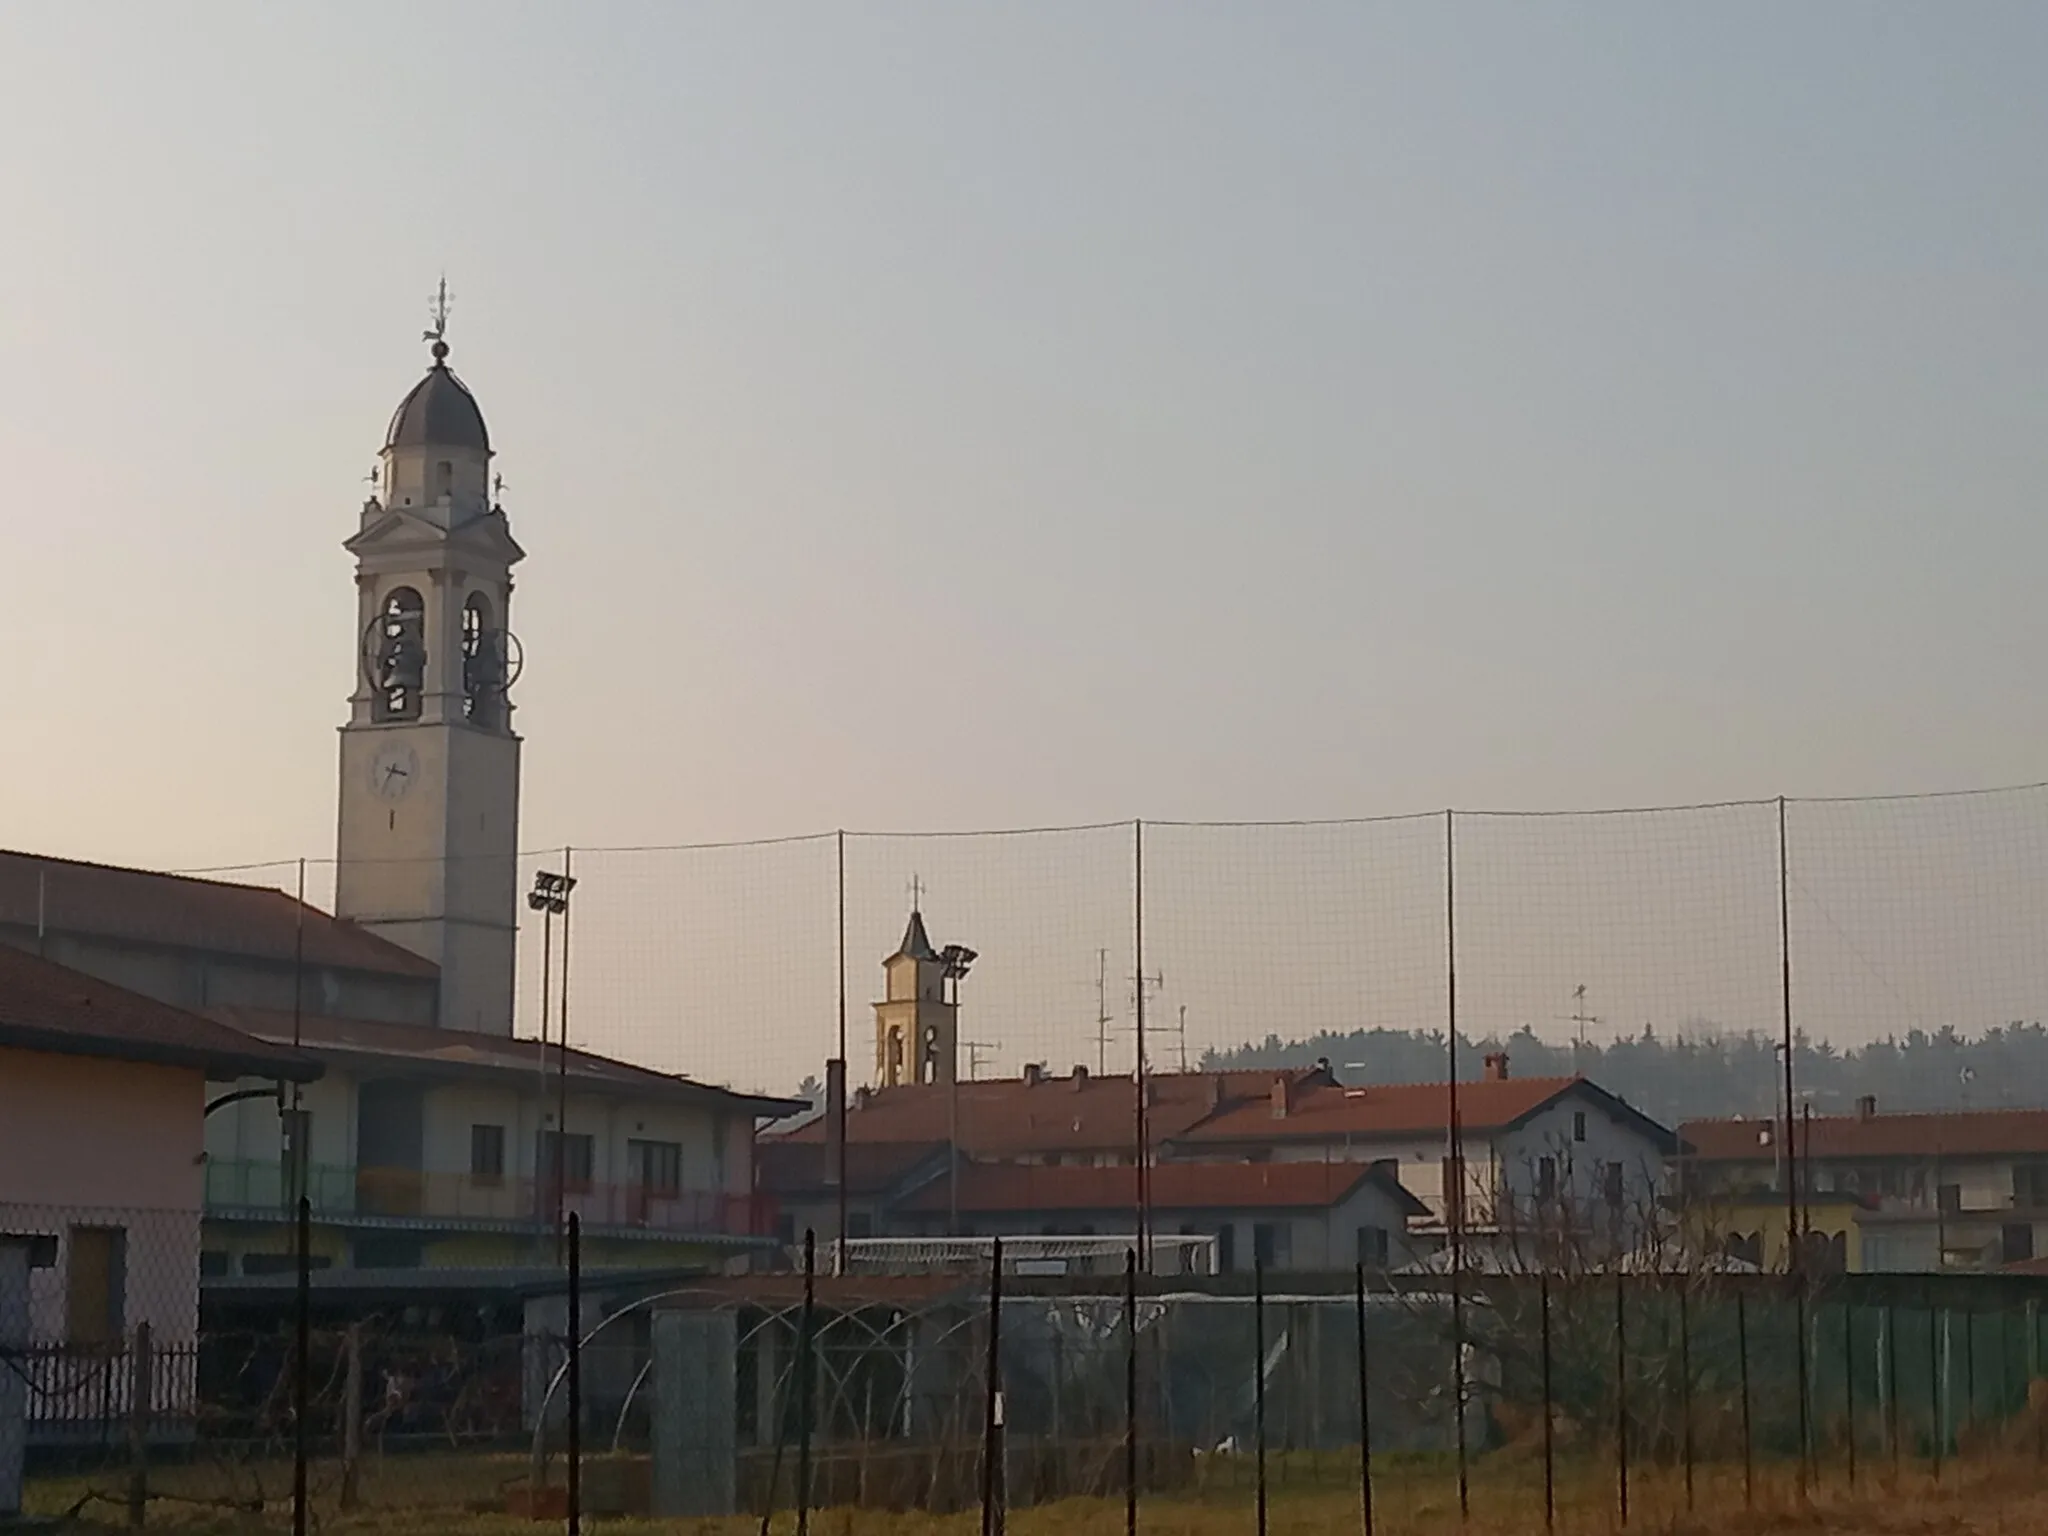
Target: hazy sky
{"points": [[1243, 411]]}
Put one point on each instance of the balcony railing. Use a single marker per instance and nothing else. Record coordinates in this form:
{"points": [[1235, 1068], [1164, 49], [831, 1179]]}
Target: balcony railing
{"points": [[337, 1191]]}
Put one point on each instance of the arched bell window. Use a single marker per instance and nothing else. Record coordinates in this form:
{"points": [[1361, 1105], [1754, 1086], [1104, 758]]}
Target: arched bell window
{"points": [[483, 664], [444, 480], [401, 655]]}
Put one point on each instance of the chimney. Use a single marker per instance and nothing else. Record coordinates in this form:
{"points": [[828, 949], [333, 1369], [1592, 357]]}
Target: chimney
{"points": [[1080, 1078], [1215, 1092], [1279, 1098], [1034, 1074], [1323, 1066], [1866, 1107], [1497, 1067], [861, 1096]]}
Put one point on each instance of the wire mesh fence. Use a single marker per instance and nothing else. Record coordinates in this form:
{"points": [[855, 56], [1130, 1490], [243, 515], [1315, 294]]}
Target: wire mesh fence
{"points": [[1586, 1399], [1649, 948]]}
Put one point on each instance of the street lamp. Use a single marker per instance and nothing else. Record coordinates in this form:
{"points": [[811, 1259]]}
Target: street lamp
{"points": [[550, 898], [954, 960]]}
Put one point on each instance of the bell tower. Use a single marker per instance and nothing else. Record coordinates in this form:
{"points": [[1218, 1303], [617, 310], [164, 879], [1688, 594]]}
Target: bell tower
{"points": [[427, 850], [917, 1023]]}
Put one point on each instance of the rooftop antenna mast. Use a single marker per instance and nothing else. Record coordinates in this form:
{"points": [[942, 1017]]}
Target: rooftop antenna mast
{"points": [[976, 1050], [1143, 990], [1180, 1030], [1102, 1020], [1579, 1018]]}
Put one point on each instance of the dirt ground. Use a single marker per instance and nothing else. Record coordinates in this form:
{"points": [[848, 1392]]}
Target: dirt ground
{"points": [[1986, 1498]]}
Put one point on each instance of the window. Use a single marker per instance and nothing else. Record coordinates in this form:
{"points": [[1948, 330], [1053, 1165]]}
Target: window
{"points": [[96, 1285], [1612, 1182], [398, 664], [860, 1224], [2030, 1185], [1372, 1247], [487, 1154], [1226, 1249], [572, 1166], [657, 1166], [213, 1264], [1578, 1125], [1950, 1198], [2016, 1240], [1546, 1179], [483, 663], [444, 480], [296, 1129]]}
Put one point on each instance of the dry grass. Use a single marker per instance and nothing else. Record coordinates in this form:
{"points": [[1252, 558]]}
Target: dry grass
{"points": [[1988, 1496]]}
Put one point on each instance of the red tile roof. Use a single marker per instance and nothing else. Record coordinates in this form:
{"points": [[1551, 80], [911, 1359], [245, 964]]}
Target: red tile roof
{"points": [[1959, 1133], [1018, 1187], [462, 1052], [786, 1166], [180, 911], [1004, 1117], [49, 1007], [1382, 1110]]}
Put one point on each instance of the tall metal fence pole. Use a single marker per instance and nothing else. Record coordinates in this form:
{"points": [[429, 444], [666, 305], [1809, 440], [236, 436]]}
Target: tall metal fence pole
{"points": [[351, 1416], [1454, 1180], [805, 1392], [992, 1395], [1364, 1414], [575, 1425], [1685, 1434], [1131, 1392], [1140, 1108], [1849, 1380], [1549, 1407], [1620, 1392], [302, 1356], [1259, 1381], [1742, 1370], [140, 1372], [1891, 1385], [1937, 1431], [1793, 1173]]}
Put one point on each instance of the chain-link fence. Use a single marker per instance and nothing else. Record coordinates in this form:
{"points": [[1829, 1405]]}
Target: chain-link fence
{"points": [[1591, 1398], [1664, 952]]}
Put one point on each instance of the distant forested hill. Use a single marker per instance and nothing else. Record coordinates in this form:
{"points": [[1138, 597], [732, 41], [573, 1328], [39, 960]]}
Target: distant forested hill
{"points": [[1706, 1071]]}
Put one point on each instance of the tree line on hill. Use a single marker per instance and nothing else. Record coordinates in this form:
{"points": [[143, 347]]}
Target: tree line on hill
{"points": [[1704, 1071]]}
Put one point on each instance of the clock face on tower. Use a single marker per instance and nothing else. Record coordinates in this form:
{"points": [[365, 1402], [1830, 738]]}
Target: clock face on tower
{"points": [[394, 770]]}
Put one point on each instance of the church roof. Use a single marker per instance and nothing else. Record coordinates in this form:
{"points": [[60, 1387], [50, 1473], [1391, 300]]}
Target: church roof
{"points": [[917, 944], [49, 1007], [438, 412], [182, 912], [458, 1053]]}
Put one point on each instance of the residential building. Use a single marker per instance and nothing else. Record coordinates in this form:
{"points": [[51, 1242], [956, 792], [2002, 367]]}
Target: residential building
{"points": [[103, 1096], [1556, 1156], [1958, 1190]]}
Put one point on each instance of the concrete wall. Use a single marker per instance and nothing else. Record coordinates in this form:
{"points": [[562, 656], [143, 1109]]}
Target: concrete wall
{"points": [[92, 1143]]}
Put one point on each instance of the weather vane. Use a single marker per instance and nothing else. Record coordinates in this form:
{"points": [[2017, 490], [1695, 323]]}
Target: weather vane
{"points": [[497, 488], [438, 308], [916, 893]]}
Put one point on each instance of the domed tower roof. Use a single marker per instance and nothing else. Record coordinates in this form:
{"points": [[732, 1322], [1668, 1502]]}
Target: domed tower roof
{"points": [[439, 412]]}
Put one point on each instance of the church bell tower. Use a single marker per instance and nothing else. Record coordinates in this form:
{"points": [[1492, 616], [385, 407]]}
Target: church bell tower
{"points": [[428, 843]]}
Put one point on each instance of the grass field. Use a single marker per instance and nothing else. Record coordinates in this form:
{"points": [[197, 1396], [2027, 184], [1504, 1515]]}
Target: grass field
{"points": [[1989, 1494]]}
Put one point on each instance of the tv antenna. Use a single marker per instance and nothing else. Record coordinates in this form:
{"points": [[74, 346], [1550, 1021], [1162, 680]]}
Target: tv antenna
{"points": [[1151, 986], [976, 1050], [1579, 1018], [1102, 1020]]}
